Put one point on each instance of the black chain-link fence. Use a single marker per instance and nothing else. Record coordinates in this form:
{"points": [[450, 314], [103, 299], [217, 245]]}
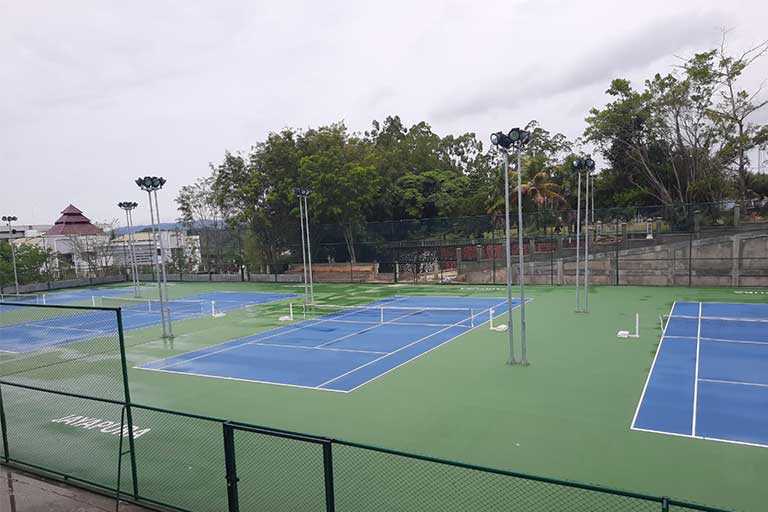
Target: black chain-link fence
{"points": [[66, 412]]}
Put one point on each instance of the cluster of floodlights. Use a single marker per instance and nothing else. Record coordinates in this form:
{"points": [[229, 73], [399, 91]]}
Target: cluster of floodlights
{"points": [[127, 205], [583, 164], [150, 183], [515, 137]]}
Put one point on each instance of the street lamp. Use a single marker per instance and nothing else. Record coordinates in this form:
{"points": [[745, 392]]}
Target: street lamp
{"points": [[129, 206], [578, 165], [8, 219], [303, 194], [151, 184], [514, 139]]}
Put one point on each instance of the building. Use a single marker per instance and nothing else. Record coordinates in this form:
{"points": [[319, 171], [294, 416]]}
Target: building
{"points": [[182, 251]]}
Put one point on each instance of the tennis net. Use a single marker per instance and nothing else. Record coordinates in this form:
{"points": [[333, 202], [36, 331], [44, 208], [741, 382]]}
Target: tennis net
{"points": [[396, 315], [26, 298], [178, 307]]}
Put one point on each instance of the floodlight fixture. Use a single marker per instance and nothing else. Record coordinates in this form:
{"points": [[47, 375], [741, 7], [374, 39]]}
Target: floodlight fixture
{"points": [[10, 218], [150, 183]]}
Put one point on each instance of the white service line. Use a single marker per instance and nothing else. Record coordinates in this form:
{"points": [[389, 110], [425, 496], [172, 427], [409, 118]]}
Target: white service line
{"points": [[736, 382], [696, 375]]}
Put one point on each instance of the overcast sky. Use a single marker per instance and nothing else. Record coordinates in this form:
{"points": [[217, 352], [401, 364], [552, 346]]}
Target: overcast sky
{"points": [[95, 93]]}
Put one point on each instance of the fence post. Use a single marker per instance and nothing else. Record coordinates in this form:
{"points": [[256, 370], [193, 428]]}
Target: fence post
{"points": [[127, 398], [690, 259], [330, 501], [664, 504], [231, 468], [3, 426], [617, 253]]}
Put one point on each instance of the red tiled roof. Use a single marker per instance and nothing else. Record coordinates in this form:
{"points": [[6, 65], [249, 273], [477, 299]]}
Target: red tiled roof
{"points": [[73, 222]]}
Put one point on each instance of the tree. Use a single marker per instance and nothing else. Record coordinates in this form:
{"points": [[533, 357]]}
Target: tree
{"points": [[202, 215], [32, 263], [680, 138]]}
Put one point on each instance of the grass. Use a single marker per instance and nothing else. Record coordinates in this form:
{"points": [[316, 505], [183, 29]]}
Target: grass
{"points": [[565, 416]]}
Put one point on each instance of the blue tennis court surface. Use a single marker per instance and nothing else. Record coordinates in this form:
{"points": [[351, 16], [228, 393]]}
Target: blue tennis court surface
{"points": [[340, 350], [64, 326], [709, 379]]}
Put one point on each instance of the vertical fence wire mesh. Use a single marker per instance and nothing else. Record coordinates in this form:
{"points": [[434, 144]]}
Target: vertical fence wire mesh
{"points": [[62, 389]]}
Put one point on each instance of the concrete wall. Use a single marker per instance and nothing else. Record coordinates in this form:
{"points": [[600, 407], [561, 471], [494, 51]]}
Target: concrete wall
{"points": [[733, 260]]}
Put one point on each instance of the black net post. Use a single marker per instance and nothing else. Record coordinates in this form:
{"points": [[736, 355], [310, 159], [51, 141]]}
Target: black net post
{"points": [[3, 427], [127, 398], [230, 467], [330, 502]]}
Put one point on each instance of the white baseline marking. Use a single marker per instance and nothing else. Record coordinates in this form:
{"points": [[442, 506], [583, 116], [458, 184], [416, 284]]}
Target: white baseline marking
{"points": [[736, 382]]}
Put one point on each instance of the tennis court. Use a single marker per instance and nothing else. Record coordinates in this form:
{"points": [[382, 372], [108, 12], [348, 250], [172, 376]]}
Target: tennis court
{"points": [[709, 379], [22, 334], [339, 348]]}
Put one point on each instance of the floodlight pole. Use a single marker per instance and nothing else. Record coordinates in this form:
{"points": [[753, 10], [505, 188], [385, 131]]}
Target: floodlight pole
{"points": [[309, 250], [156, 259], [128, 207], [8, 220], [132, 247], [520, 276], [303, 252], [578, 236], [586, 243], [164, 300], [508, 254]]}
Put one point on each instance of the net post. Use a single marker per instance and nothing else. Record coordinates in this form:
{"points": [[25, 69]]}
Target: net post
{"points": [[93, 301], [290, 310], [381, 314], [213, 308], [490, 318], [637, 324], [471, 318], [127, 402]]}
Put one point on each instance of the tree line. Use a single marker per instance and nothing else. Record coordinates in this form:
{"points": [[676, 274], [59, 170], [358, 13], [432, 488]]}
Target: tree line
{"points": [[680, 137]]}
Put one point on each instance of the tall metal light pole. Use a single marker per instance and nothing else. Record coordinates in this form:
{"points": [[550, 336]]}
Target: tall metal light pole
{"points": [[8, 219], [303, 196], [299, 194], [516, 138], [589, 165], [578, 165], [151, 184], [128, 206]]}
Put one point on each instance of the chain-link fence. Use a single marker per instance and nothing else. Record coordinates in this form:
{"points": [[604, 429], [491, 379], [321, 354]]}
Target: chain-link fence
{"points": [[66, 412]]}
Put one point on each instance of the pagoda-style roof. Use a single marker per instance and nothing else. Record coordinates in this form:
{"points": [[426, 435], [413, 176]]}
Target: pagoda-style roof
{"points": [[73, 223]]}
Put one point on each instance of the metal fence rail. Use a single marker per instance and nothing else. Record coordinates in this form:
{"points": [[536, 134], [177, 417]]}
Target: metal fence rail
{"points": [[95, 436]]}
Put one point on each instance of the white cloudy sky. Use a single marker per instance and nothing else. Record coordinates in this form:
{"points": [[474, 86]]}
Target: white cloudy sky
{"points": [[95, 93]]}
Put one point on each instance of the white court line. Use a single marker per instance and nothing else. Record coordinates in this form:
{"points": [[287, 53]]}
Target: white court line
{"points": [[723, 340], [173, 372], [9, 352], [318, 388], [403, 348], [736, 382], [276, 332], [696, 375], [702, 438], [78, 329], [433, 348], [653, 365], [318, 348]]}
